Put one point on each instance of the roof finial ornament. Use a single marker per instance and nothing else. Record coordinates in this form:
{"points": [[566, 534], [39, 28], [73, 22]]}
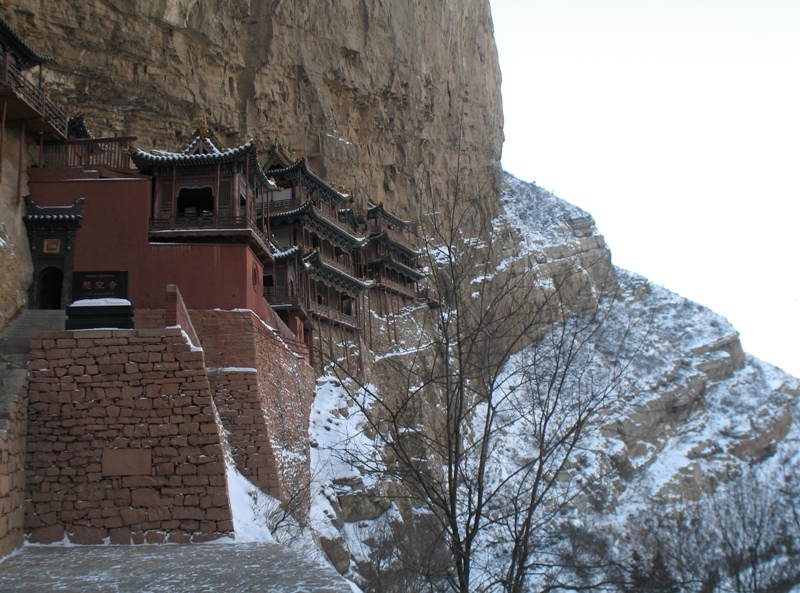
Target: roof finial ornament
{"points": [[204, 128]]}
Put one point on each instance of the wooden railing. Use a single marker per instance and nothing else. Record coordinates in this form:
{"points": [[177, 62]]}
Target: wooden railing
{"points": [[279, 297], [91, 152], [334, 315], [180, 223], [379, 226], [429, 295], [402, 288], [332, 263], [34, 96], [283, 205], [334, 218]]}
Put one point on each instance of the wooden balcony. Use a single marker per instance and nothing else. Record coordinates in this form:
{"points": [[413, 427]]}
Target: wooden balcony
{"points": [[334, 316], [278, 299], [211, 229], [377, 227], [27, 103], [400, 288], [331, 262], [279, 206], [111, 153]]}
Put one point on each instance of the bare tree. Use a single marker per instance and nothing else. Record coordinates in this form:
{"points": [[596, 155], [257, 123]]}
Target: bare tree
{"points": [[481, 420], [741, 538]]}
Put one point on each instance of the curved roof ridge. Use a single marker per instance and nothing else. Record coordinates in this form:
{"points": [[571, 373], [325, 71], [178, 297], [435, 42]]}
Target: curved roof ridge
{"points": [[24, 51]]}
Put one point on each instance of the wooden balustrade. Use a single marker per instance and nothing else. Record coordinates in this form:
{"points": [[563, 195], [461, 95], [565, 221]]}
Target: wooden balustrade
{"points": [[91, 152], [334, 315], [35, 97]]}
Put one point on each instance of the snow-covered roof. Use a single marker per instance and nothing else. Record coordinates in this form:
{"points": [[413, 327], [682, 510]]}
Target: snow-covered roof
{"points": [[380, 210], [203, 149], [387, 238], [309, 210], [301, 166], [389, 261], [315, 262], [279, 254]]}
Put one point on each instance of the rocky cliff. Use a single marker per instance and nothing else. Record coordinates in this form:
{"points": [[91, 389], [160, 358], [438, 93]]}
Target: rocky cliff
{"points": [[390, 101], [387, 99]]}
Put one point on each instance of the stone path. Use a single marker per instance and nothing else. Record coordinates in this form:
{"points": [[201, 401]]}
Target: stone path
{"points": [[217, 568]]}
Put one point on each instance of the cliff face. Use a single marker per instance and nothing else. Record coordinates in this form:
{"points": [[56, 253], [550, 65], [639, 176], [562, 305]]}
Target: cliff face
{"points": [[391, 101], [387, 99]]}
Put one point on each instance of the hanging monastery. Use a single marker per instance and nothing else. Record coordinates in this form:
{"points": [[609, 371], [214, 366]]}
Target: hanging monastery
{"points": [[200, 288]]}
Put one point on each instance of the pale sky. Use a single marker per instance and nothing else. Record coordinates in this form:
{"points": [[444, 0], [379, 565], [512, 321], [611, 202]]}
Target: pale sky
{"points": [[676, 124]]}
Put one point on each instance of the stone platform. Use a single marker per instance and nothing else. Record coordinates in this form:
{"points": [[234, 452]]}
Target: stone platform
{"points": [[217, 568]]}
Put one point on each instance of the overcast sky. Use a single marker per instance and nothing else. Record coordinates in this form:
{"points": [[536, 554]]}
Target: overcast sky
{"points": [[676, 124]]}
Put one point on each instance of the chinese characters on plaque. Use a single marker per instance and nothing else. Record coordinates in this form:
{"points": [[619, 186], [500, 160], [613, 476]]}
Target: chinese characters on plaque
{"points": [[99, 285]]}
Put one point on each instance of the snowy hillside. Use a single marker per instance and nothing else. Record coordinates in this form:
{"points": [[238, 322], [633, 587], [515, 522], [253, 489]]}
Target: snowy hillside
{"points": [[690, 410]]}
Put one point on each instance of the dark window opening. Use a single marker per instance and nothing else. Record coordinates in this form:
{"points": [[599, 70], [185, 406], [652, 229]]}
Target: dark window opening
{"points": [[196, 201], [51, 281]]}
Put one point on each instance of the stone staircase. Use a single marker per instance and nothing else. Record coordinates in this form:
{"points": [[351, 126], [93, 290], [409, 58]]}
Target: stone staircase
{"points": [[15, 340]]}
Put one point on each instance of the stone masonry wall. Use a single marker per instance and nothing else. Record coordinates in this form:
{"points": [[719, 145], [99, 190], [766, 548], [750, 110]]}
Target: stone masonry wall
{"points": [[263, 390], [123, 442], [12, 472]]}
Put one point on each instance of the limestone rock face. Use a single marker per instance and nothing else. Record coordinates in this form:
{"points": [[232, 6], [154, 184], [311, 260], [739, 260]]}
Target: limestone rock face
{"points": [[388, 100], [15, 261]]}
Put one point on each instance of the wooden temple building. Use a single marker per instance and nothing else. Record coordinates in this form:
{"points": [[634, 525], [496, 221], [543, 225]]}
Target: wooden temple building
{"points": [[24, 97], [392, 263], [206, 193], [319, 272]]}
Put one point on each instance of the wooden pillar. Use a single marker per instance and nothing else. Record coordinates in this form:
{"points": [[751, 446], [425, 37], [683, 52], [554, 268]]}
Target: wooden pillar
{"points": [[21, 162], [216, 197], [174, 211], [247, 189], [3, 138]]}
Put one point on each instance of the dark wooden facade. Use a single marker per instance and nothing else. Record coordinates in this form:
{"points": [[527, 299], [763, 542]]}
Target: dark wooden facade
{"points": [[392, 263], [206, 193], [323, 277]]}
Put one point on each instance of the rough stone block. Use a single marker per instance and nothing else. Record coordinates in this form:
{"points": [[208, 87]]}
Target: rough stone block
{"points": [[127, 462], [46, 535], [120, 535], [83, 534]]}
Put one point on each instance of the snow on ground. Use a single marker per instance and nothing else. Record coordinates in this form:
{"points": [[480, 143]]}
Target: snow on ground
{"points": [[248, 504], [668, 343], [539, 216]]}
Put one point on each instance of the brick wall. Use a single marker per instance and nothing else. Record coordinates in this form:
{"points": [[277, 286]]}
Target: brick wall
{"points": [[263, 389], [123, 443], [149, 318], [12, 472]]}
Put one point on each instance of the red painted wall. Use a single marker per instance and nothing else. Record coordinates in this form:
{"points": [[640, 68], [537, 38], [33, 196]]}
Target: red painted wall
{"points": [[114, 236]]}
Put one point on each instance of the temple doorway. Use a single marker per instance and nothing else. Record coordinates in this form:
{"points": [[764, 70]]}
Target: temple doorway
{"points": [[51, 281]]}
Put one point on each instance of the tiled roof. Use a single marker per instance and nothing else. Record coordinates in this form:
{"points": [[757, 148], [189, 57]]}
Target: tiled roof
{"points": [[283, 254], [19, 46], [396, 244], [77, 128], [302, 166], [203, 149], [388, 260], [380, 210], [315, 260], [53, 216], [308, 208]]}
